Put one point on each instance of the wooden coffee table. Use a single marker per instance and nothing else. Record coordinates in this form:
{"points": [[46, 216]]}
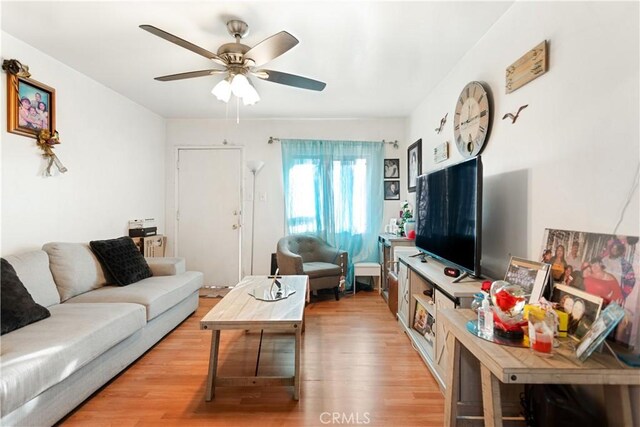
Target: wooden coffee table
{"points": [[239, 310]]}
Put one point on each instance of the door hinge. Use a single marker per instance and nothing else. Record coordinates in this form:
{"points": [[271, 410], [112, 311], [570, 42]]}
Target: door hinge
{"points": [[177, 215]]}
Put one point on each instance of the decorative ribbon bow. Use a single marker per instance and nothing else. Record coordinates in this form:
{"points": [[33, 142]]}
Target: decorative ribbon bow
{"points": [[46, 142]]}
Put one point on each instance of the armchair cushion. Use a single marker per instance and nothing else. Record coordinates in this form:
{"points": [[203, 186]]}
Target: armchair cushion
{"points": [[321, 269]]}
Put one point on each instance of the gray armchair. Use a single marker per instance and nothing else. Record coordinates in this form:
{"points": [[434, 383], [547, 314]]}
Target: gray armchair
{"points": [[325, 265]]}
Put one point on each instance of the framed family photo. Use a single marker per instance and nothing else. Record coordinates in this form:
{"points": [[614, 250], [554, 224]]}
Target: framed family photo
{"points": [[391, 168], [31, 106], [583, 308], [414, 160]]}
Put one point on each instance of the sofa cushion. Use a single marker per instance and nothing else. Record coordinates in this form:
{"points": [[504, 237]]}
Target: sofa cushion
{"points": [[33, 270], [157, 294], [321, 269], [166, 266], [74, 267], [42, 354], [18, 307], [122, 259]]}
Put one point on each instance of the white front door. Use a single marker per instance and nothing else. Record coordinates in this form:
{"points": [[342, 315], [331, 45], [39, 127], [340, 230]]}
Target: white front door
{"points": [[209, 212]]}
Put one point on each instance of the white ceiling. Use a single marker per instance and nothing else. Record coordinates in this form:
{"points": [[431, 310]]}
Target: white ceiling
{"points": [[379, 59]]}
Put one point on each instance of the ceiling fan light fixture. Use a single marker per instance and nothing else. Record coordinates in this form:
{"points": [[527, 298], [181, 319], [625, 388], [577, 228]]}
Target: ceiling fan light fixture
{"points": [[251, 95], [222, 90], [239, 61], [239, 85]]}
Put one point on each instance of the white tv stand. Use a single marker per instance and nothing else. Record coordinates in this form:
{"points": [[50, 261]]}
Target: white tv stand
{"points": [[416, 276]]}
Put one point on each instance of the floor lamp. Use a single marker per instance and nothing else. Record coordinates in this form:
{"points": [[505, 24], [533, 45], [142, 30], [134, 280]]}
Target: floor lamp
{"points": [[254, 166]]}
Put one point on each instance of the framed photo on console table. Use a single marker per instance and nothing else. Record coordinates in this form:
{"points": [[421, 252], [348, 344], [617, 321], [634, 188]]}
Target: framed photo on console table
{"points": [[583, 308], [531, 275], [420, 319], [31, 106]]}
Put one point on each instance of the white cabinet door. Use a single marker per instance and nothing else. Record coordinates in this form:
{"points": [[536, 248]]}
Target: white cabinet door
{"points": [[403, 293], [442, 302]]}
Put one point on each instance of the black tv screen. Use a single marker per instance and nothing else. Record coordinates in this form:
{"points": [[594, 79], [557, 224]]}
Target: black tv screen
{"points": [[448, 223]]}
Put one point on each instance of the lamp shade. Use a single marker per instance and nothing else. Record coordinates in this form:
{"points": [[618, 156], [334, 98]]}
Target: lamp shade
{"points": [[222, 90], [251, 94], [255, 165], [239, 85]]}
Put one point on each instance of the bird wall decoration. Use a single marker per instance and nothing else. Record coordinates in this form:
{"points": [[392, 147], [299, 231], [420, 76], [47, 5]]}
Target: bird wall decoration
{"points": [[442, 122], [512, 117]]}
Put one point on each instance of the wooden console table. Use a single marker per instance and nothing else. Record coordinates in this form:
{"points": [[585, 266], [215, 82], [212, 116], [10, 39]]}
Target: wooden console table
{"points": [[510, 365]]}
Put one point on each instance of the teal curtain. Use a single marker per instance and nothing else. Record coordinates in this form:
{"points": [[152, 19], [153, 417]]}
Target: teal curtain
{"points": [[334, 189]]}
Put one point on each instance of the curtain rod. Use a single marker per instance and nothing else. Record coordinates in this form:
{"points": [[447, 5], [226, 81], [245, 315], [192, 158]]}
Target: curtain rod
{"points": [[394, 143]]}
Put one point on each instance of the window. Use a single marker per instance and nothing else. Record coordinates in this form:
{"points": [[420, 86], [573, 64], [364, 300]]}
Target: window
{"points": [[333, 189], [347, 189]]}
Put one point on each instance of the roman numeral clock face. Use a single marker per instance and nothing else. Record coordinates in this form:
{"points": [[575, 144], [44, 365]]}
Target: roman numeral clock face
{"points": [[471, 120]]}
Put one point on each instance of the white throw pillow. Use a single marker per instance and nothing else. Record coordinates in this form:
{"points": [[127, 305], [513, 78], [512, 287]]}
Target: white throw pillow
{"points": [[75, 268]]}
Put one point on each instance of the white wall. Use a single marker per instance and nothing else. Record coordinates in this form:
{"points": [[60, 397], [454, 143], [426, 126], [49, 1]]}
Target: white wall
{"points": [[253, 136], [570, 159], [113, 148]]}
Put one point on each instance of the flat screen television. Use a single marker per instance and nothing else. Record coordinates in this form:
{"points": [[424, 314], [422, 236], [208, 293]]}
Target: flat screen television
{"points": [[449, 215]]}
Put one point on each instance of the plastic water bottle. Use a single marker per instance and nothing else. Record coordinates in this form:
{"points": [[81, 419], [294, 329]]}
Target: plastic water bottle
{"points": [[485, 318]]}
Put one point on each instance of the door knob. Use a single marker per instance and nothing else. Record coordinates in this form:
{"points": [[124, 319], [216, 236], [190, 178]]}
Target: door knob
{"points": [[235, 226]]}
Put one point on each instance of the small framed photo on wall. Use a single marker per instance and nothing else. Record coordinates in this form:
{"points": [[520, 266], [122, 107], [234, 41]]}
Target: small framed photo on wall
{"points": [[391, 168], [414, 160], [31, 106], [392, 190]]}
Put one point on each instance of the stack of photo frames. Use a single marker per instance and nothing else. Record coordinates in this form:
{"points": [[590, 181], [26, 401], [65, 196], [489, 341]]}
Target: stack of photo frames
{"points": [[591, 272]]}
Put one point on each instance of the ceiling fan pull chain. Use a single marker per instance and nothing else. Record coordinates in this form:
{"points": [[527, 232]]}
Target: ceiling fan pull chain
{"points": [[237, 110]]}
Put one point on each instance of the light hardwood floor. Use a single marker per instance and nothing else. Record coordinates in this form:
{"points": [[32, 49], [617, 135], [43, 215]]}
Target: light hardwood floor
{"points": [[356, 365]]}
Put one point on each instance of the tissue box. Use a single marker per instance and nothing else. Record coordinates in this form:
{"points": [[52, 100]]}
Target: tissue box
{"points": [[563, 318]]}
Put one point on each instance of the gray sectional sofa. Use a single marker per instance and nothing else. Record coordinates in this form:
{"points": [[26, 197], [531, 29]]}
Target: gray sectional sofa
{"points": [[94, 332]]}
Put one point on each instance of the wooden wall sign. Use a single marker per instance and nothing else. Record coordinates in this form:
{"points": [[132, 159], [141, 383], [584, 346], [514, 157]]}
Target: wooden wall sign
{"points": [[529, 67], [441, 152]]}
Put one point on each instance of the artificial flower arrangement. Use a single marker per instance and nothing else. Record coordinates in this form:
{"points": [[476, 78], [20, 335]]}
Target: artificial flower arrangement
{"points": [[405, 215]]}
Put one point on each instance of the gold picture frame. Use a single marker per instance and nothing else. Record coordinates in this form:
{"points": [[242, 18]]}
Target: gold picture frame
{"points": [[28, 118]]}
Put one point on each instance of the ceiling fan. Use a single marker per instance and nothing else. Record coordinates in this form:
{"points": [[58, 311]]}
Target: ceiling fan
{"points": [[240, 61]]}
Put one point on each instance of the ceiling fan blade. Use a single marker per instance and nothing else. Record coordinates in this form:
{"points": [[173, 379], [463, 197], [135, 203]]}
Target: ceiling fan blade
{"points": [[183, 43], [189, 75], [271, 48], [290, 79]]}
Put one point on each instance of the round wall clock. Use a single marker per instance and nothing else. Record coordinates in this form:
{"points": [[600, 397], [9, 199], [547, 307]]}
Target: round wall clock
{"points": [[471, 120]]}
